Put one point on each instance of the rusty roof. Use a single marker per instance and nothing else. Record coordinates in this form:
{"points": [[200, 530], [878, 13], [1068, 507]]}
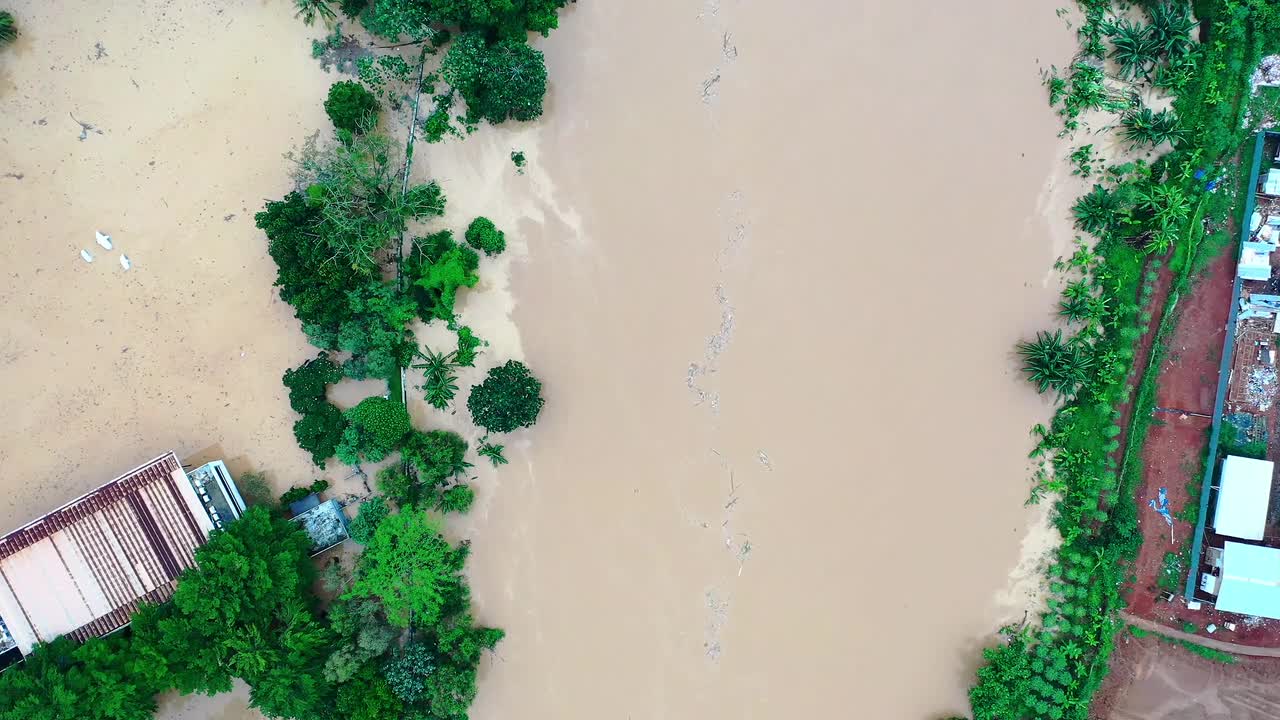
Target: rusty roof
{"points": [[85, 568]]}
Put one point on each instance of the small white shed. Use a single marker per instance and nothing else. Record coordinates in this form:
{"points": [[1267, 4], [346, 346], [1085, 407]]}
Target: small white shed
{"points": [[1244, 494]]}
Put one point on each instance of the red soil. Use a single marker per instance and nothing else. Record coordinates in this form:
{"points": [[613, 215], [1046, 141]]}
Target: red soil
{"points": [[1175, 449]]}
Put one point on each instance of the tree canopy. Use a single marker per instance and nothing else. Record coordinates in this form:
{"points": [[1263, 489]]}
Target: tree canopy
{"points": [[418, 19], [510, 397], [376, 428], [412, 569], [351, 107], [483, 235], [500, 81], [94, 681]]}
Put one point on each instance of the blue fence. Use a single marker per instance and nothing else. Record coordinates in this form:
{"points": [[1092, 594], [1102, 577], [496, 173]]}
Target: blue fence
{"points": [[1224, 374]]}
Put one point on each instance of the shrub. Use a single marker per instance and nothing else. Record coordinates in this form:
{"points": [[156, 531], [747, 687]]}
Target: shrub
{"points": [[482, 234], [1053, 363], [467, 344], [510, 397], [456, 499], [377, 427], [372, 512], [408, 672], [351, 107]]}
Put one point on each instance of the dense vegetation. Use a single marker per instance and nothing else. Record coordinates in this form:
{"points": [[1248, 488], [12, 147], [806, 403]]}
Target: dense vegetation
{"points": [[8, 28], [247, 611], [351, 107], [488, 63], [1144, 217]]}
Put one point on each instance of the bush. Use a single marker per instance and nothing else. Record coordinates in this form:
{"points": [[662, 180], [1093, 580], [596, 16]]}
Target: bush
{"points": [[509, 398], [482, 234], [377, 427], [456, 499], [351, 107], [372, 512]]}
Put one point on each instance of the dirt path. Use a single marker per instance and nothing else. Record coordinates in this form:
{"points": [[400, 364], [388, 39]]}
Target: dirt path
{"points": [[1230, 647]]}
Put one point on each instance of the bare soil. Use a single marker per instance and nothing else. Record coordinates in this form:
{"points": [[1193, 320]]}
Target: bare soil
{"points": [[1156, 680]]}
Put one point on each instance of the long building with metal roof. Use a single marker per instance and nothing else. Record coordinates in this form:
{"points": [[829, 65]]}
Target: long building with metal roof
{"points": [[85, 568]]}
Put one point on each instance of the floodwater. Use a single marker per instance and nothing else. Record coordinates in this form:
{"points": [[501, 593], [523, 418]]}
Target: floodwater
{"points": [[770, 260]]}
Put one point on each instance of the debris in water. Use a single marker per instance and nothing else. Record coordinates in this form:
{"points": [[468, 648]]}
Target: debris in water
{"points": [[88, 256], [764, 460], [103, 239], [124, 262]]}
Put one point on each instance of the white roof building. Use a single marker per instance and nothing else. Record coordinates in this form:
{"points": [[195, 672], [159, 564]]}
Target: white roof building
{"points": [[1250, 582], [1244, 494], [85, 568]]}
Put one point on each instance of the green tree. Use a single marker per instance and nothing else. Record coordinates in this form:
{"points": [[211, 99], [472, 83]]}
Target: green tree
{"points": [[309, 382], [500, 81], [467, 347], [244, 611], [412, 569], [255, 489], [376, 428], [510, 397], [320, 431], [372, 512], [356, 186], [8, 28], [420, 19], [458, 498], [396, 484], [437, 266], [408, 672], [368, 697], [363, 635], [437, 455], [483, 235], [351, 107], [99, 680], [309, 10]]}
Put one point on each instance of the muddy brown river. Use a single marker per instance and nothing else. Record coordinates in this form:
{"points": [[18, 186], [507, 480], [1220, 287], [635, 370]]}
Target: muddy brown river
{"points": [[769, 258]]}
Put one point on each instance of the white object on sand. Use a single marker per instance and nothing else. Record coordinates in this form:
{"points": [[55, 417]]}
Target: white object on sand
{"points": [[88, 256], [103, 240], [124, 262]]}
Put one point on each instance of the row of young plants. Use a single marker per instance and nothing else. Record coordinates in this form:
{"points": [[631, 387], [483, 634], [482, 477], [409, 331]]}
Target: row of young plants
{"points": [[395, 642], [1142, 216]]}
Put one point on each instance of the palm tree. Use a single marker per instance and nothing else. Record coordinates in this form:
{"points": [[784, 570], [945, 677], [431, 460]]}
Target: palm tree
{"points": [[491, 451], [1134, 47], [1051, 362], [1143, 125], [309, 9], [8, 28], [1074, 309], [440, 381], [1096, 212], [1171, 27]]}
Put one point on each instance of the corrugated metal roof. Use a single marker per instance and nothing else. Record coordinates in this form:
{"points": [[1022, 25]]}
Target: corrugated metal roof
{"points": [[1243, 497], [85, 568], [1250, 580]]}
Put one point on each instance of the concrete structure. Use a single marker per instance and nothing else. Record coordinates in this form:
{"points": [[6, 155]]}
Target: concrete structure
{"points": [[1244, 494], [1250, 581], [85, 568], [323, 522]]}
